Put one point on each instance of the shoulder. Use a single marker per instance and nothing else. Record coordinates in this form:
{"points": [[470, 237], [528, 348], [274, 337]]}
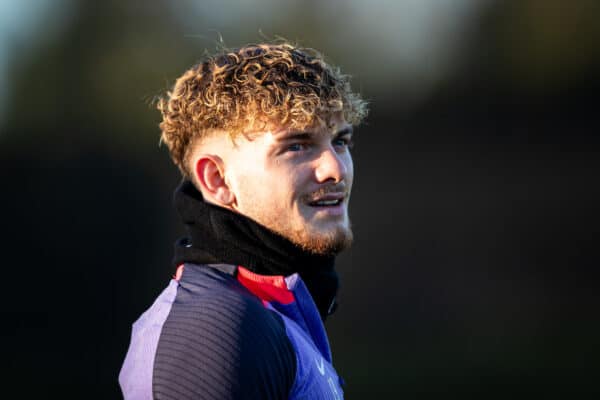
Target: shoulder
{"points": [[220, 341]]}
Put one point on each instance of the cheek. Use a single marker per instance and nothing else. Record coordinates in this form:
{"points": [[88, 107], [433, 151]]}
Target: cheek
{"points": [[288, 189], [349, 168], [246, 186], [270, 191]]}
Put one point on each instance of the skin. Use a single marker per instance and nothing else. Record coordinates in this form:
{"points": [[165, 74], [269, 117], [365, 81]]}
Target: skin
{"points": [[286, 180]]}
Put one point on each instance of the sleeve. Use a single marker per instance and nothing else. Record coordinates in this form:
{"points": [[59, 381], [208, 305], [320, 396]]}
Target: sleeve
{"points": [[230, 348]]}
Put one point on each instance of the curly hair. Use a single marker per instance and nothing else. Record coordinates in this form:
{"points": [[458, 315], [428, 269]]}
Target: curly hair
{"points": [[250, 88]]}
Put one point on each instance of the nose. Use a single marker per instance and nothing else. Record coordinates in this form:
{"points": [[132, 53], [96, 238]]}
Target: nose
{"points": [[331, 166]]}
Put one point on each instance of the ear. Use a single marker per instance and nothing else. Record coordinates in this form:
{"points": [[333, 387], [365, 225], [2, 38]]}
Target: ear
{"points": [[209, 170]]}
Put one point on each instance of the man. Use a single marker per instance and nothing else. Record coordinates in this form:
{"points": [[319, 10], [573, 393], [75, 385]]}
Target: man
{"points": [[262, 136]]}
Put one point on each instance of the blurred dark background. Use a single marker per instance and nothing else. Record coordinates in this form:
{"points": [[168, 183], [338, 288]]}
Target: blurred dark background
{"points": [[474, 205]]}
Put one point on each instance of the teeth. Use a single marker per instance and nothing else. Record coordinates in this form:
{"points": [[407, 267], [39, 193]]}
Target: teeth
{"points": [[327, 202]]}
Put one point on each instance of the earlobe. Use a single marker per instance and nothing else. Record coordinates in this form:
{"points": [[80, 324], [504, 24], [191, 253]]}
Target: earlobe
{"points": [[209, 170], [225, 196]]}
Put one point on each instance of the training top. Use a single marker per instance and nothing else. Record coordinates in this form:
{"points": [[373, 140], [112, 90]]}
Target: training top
{"points": [[220, 331]]}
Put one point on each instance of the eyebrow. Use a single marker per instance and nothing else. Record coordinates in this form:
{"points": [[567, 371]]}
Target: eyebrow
{"points": [[296, 136], [344, 131], [307, 135]]}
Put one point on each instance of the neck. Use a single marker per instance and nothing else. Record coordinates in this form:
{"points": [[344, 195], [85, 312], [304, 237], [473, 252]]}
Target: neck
{"points": [[219, 235]]}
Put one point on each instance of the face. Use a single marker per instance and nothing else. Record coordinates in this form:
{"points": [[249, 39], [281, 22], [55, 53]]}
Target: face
{"points": [[296, 183]]}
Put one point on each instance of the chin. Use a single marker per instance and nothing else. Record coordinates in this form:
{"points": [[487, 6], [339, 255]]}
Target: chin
{"points": [[317, 237], [326, 243]]}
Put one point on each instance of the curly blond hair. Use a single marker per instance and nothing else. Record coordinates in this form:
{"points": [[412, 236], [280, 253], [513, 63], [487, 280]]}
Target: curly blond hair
{"points": [[247, 89]]}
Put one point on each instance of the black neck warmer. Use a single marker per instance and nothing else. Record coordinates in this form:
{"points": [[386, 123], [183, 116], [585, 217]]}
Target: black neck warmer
{"points": [[220, 236]]}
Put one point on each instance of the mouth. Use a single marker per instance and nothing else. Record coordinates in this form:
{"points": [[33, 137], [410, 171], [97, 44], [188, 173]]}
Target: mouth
{"points": [[328, 201]]}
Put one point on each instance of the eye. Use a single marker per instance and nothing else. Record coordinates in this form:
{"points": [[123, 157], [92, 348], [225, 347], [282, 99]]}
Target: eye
{"points": [[343, 142], [296, 147]]}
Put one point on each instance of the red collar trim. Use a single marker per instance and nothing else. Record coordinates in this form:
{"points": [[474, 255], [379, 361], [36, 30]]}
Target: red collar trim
{"points": [[265, 287]]}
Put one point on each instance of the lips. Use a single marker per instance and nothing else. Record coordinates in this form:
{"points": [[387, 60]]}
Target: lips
{"points": [[329, 200]]}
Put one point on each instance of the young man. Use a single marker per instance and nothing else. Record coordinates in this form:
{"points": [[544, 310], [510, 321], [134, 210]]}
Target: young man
{"points": [[262, 136]]}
